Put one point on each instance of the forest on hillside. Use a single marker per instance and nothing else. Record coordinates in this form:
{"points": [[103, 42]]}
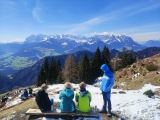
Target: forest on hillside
{"points": [[86, 69]]}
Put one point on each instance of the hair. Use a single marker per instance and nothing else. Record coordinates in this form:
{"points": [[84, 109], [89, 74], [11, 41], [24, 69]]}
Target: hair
{"points": [[67, 85], [82, 85], [44, 86]]}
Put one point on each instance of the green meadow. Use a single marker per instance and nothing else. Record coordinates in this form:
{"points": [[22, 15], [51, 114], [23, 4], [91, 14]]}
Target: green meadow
{"points": [[18, 62]]}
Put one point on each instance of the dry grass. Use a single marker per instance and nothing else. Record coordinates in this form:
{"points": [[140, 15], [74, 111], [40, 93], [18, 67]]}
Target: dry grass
{"points": [[21, 108], [145, 77], [139, 82]]}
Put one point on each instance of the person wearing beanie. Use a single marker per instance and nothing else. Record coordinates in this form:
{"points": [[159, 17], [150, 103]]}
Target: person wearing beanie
{"points": [[83, 98], [42, 99], [66, 96], [105, 87]]}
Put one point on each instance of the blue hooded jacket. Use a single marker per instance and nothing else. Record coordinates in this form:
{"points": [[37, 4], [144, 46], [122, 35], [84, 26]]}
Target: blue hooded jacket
{"points": [[66, 105], [25, 93], [107, 79]]}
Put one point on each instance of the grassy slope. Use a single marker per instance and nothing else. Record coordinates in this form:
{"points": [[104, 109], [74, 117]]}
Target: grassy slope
{"points": [[19, 109], [145, 77]]}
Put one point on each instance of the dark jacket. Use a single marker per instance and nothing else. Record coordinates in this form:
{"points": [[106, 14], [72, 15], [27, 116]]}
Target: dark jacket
{"points": [[30, 90], [67, 105], [4, 99], [43, 101]]}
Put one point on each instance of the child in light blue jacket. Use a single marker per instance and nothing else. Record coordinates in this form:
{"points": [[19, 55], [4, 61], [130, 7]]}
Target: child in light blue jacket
{"points": [[105, 87]]}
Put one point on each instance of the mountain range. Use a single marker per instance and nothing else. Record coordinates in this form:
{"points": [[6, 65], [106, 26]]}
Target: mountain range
{"points": [[70, 43], [18, 55]]}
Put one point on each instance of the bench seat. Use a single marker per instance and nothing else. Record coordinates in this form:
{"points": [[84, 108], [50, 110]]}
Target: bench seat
{"points": [[35, 113]]}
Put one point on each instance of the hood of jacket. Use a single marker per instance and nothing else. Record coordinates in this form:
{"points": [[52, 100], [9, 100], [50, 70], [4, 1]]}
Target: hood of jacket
{"points": [[104, 67], [83, 92], [106, 70], [68, 92]]}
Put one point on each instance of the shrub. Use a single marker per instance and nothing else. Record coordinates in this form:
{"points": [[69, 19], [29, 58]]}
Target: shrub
{"points": [[115, 87], [152, 67], [149, 93], [134, 66]]}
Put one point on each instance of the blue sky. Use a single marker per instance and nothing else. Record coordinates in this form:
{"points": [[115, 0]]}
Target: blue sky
{"points": [[139, 19]]}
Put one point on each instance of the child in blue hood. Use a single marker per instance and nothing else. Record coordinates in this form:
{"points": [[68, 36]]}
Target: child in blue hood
{"points": [[66, 96], [105, 87]]}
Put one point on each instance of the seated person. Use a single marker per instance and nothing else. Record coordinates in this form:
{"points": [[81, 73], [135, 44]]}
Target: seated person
{"points": [[24, 95], [30, 91], [42, 99], [4, 99], [83, 97], [66, 96]]}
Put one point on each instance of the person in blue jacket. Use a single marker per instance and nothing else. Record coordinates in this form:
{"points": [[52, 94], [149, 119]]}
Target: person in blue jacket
{"points": [[24, 95], [66, 96], [106, 85]]}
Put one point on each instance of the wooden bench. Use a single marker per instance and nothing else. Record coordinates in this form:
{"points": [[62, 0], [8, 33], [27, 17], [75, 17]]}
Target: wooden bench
{"points": [[37, 114]]}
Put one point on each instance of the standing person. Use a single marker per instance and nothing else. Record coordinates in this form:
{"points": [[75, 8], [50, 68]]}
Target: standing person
{"points": [[83, 97], [66, 96], [105, 87], [42, 99]]}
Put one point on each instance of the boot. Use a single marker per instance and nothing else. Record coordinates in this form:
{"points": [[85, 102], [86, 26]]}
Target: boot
{"points": [[103, 111], [109, 114]]}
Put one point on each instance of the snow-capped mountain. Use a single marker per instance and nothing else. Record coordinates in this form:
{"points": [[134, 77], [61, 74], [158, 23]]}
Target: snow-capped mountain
{"points": [[72, 43]]}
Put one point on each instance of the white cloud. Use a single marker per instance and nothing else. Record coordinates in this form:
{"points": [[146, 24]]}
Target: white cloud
{"points": [[143, 9], [13, 40], [36, 12], [142, 37], [86, 25], [142, 33], [140, 29], [79, 27]]}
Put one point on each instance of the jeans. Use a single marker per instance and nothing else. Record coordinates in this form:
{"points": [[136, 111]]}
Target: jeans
{"points": [[52, 101], [106, 100]]}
